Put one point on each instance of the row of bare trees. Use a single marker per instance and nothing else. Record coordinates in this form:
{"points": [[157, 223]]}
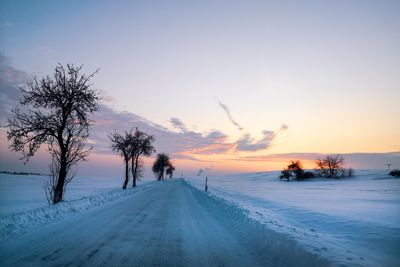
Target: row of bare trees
{"points": [[132, 146], [55, 110], [332, 166]]}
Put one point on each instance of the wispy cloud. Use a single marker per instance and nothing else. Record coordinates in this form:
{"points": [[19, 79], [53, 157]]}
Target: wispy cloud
{"points": [[284, 127], [177, 123], [228, 113], [10, 80], [184, 144], [248, 143]]}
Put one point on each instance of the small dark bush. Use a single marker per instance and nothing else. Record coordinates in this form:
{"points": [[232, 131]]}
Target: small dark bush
{"points": [[285, 174], [395, 173], [349, 172], [295, 169], [308, 175]]}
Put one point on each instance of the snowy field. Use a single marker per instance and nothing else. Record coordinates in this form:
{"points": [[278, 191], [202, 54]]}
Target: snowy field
{"points": [[351, 222], [23, 205], [24, 192], [355, 221]]}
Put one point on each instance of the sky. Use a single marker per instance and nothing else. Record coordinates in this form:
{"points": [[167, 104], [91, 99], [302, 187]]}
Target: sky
{"points": [[225, 86]]}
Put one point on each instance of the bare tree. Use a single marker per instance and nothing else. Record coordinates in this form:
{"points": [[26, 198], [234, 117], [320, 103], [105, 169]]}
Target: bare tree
{"points": [[122, 144], [138, 170], [331, 166], [159, 166], [142, 145], [55, 113], [132, 146], [170, 170]]}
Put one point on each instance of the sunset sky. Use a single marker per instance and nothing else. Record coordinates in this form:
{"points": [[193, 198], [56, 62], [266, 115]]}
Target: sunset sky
{"points": [[225, 86]]}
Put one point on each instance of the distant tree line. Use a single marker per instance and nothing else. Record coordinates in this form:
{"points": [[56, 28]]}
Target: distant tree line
{"points": [[332, 166]]}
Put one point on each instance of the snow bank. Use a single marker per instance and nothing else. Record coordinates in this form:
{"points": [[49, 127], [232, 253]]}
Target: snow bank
{"points": [[21, 222], [273, 248], [25, 192], [351, 221]]}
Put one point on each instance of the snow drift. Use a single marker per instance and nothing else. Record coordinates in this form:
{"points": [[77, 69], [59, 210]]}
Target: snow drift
{"points": [[18, 223]]}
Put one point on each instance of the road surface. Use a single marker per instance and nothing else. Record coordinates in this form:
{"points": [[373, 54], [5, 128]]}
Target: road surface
{"points": [[172, 224]]}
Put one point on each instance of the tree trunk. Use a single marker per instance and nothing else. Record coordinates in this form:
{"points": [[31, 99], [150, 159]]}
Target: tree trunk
{"points": [[62, 174], [126, 174], [134, 171]]}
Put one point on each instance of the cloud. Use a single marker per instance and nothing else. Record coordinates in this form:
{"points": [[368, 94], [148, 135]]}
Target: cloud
{"points": [[177, 123], [228, 113], [184, 144], [248, 143], [284, 127], [10, 81]]}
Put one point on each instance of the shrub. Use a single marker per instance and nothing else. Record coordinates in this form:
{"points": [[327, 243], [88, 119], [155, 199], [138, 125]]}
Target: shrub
{"points": [[395, 173], [295, 169], [332, 167], [285, 174], [349, 172], [308, 175]]}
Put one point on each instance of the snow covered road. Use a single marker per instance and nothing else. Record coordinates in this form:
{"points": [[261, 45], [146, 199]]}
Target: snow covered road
{"points": [[172, 224]]}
